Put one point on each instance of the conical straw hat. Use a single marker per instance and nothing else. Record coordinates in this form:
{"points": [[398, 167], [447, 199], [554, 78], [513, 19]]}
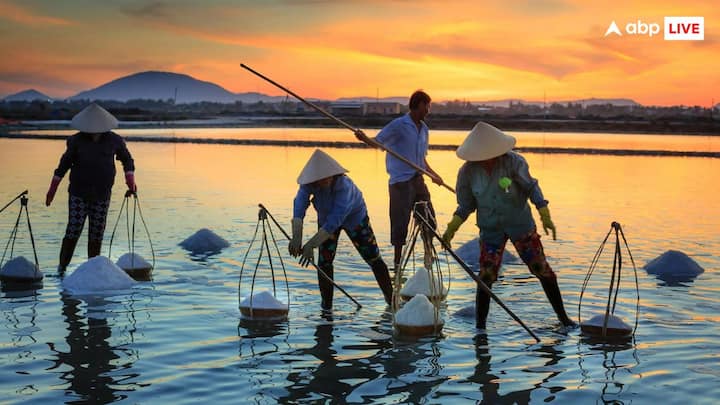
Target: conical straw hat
{"points": [[94, 119], [485, 142], [320, 166]]}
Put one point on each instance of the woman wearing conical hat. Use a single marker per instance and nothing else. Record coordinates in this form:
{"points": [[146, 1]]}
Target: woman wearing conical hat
{"points": [[340, 206], [496, 183], [90, 158]]}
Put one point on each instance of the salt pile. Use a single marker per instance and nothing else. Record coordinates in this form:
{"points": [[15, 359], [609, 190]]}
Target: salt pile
{"points": [[132, 261], [470, 254], [263, 306], [419, 311], [615, 326], [20, 269], [674, 266], [419, 283], [264, 300], [204, 241], [97, 275]]}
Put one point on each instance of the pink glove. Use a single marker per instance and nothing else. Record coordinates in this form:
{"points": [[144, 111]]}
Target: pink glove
{"points": [[130, 181], [52, 190]]}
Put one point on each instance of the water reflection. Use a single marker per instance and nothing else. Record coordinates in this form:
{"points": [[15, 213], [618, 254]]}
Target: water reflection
{"points": [[98, 371], [618, 355], [490, 382], [335, 376]]}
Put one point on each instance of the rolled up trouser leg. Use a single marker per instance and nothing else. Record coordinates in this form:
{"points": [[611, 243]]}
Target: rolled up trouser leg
{"points": [[490, 262]]}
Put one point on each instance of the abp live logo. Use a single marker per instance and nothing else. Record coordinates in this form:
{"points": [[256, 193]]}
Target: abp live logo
{"points": [[675, 29]]}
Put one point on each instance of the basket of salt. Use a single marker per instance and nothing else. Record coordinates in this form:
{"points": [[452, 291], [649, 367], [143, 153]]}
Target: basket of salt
{"points": [[616, 327], [418, 317], [263, 306], [20, 271], [135, 266], [420, 283]]}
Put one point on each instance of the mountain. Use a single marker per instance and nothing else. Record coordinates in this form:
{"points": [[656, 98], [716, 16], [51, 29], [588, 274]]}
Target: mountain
{"points": [[364, 99], [253, 97], [159, 85], [27, 95], [585, 102]]}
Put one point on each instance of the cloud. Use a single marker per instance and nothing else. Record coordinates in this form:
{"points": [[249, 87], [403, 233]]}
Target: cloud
{"points": [[22, 15]]}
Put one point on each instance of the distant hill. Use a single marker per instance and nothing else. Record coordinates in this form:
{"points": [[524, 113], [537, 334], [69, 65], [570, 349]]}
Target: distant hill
{"points": [[27, 95], [363, 99], [585, 102], [158, 86]]}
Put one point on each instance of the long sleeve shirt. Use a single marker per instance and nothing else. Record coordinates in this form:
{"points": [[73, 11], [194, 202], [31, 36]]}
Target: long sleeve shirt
{"points": [[403, 137], [500, 211], [339, 206], [92, 164]]}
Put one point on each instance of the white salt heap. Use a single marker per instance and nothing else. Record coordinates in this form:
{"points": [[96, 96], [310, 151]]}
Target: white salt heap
{"points": [[132, 261], [204, 241], [21, 268], [96, 275], [470, 254], [419, 311], [419, 283], [674, 265], [614, 322], [264, 300]]}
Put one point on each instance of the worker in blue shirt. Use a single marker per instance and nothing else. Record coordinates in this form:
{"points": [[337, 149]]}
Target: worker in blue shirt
{"points": [[408, 136], [340, 206]]}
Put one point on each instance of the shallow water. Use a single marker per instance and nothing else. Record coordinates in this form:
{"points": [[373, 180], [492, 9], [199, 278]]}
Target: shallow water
{"points": [[180, 339]]}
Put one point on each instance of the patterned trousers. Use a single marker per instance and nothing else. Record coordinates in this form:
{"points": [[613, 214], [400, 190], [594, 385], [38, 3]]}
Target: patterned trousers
{"points": [[528, 247], [78, 210]]}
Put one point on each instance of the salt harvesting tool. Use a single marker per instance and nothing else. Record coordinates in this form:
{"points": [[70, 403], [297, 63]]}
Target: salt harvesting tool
{"points": [[477, 279], [322, 273], [369, 141], [608, 325], [425, 289], [37, 275], [263, 306], [135, 266]]}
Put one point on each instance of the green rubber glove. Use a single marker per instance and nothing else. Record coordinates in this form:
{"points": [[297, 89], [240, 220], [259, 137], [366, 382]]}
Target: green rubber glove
{"points": [[547, 223], [452, 227], [294, 247], [308, 250]]}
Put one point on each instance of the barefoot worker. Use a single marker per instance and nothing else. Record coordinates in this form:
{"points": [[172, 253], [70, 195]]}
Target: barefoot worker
{"points": [[90, 156], [408, 136], [496, 182], [339, 205]]}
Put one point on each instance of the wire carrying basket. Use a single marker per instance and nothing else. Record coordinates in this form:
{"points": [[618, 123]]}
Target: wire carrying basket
{"points": [[608, 324], [19, 271], [417, 298], [264, 305], [132, 263]]}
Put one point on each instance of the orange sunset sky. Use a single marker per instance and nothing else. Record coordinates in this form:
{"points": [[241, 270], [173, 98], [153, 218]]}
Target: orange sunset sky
{"points": [[471, 50]]}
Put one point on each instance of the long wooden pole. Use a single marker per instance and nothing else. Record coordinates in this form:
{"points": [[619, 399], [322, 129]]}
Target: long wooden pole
{"points": [[477, 279], [322, 273], [13, 200], [368, 140]]}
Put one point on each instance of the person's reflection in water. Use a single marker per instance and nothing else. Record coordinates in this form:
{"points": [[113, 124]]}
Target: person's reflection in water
{"points": [[91, 358], [333, 379], [489, 382]]}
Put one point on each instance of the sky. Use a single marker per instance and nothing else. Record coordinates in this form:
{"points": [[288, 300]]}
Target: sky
{"points": [[538, 50]]}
